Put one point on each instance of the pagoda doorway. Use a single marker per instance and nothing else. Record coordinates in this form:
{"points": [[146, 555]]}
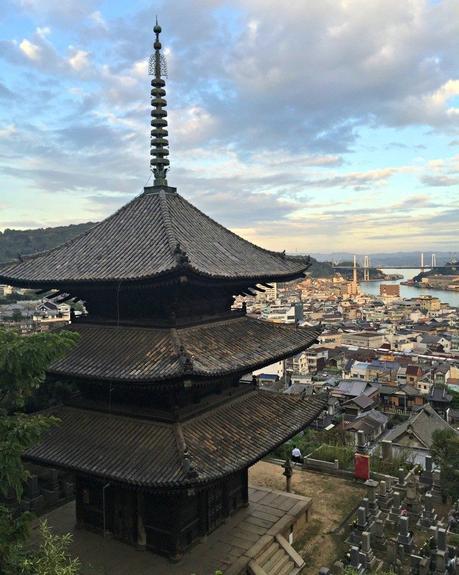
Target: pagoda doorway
{"points": [[124, 516]]}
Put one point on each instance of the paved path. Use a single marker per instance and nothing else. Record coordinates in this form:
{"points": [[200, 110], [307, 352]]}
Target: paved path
{"points": [[228, 545]]}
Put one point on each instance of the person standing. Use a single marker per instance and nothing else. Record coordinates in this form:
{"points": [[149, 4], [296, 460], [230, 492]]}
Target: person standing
{"points": [[296, 455]]}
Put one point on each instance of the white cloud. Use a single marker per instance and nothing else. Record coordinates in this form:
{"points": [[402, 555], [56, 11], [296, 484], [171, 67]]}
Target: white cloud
{"points": [[31, 50], [7, 131], [79, 60], [98, 19]]}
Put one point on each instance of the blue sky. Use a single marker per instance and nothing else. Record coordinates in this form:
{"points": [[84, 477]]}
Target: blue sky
{"points": [[317, 125]]}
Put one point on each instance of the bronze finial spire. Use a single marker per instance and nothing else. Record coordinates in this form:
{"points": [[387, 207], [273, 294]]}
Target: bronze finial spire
{"points": [[159, 164]]}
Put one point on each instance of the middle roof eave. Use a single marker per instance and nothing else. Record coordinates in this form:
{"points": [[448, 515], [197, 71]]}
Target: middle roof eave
{"points": [[138, 355]]}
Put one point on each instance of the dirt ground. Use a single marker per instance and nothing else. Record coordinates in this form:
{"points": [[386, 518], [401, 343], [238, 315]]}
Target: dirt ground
{"points": [[333, 499]]}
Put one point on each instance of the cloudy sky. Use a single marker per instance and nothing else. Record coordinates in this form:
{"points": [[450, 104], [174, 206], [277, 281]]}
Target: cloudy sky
{"points": [[314, 125]]}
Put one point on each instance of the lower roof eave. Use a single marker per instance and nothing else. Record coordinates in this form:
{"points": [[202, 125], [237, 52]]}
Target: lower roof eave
{"points": [[105, 447]]}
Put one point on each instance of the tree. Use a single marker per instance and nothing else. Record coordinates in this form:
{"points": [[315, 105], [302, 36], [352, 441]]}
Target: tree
{"points": [[16, 315], [23, 361], [53, 557], [445, 453]]}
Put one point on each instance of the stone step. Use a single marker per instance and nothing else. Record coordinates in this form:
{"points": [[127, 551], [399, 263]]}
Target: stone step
{"points": [[289, 569], [285, 559], [268, 553], [275, 559], [294, 555]]}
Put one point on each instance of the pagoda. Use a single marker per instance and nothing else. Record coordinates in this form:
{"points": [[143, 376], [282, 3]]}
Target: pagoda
{"points": [[164, 427]]}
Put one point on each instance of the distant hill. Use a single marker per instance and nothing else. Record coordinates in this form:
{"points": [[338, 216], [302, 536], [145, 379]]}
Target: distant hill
{"points": [[317, 269], [24, 242]]}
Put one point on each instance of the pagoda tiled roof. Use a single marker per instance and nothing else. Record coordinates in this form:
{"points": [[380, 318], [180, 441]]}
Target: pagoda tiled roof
{"points": [[157, 234], [150, 454], [147, 355]]}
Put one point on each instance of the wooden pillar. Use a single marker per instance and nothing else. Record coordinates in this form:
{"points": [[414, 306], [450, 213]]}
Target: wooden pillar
{"points": [[225, 497], [203, 514], [78, 504], [245, 487], [141, 533], [177, 551]]}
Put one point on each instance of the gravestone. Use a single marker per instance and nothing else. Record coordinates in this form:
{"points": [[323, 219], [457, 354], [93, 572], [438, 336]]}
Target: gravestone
{"points": [[442, 540], [355, 558], [424, 566], [386, 449], [384, 497], [378, 532], [428, 516], [440, 562], [405, 537], [412, 499], [415, 562], [395, 509], [426, 475], [372, 486], [436, 487], [367, 557]]}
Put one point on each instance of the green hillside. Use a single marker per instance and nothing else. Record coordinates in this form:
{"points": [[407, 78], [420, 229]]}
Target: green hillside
{"points": [[24, 242]]}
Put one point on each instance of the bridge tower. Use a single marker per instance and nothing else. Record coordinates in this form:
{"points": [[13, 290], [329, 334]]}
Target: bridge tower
{"points": [[422, 261], [434, 260], [366, 269], [353, 287]]}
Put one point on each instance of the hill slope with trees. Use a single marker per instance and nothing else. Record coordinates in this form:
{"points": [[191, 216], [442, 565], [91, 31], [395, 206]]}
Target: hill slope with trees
{"points": [[24, 242]]}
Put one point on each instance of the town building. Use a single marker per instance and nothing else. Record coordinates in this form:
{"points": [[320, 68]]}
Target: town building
{"points": [[416, 433], [363, 339], [389, 290]]}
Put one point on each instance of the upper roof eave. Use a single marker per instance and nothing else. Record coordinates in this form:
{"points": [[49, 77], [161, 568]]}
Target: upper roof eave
{"points": [[154, 236], [167, 275]]}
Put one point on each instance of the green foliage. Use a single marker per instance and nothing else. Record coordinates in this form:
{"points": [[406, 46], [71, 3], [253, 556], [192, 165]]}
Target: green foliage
{"points": [[53, 557], [445, 453], [14, 242], [13, 531], [352, 571], [344, 455], [390, 466], [15, 296], [306, 442], [16, 315], [309, 440], [23, 361]]}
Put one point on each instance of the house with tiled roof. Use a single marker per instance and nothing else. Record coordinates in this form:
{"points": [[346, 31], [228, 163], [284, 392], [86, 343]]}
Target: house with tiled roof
{"points": [[417, 432]]}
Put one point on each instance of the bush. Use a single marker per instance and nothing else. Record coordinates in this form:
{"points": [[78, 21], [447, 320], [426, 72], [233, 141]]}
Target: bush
{"points": [[390, 466], [306, 442], [344, 455]]}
